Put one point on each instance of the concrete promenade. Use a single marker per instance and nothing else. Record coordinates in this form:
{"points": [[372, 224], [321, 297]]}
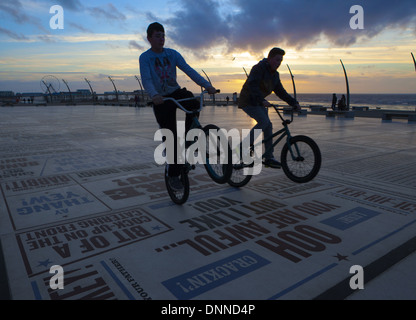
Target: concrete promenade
{"points": [[80, 189]]}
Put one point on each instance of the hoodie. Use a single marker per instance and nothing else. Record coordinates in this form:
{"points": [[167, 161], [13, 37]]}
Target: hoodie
{"points": [[261, 82]]}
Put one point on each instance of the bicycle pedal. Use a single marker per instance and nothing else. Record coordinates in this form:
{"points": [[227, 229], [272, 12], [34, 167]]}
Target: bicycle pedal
{"points": [[273, 167], [243, 165]]}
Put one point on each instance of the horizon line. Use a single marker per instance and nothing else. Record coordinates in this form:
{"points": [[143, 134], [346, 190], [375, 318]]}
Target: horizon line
{"points": [[231, 93]]}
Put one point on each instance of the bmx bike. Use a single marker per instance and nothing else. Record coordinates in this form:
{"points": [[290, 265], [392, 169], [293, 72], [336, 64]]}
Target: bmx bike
{"points": [[217, 160], [300, 156]]}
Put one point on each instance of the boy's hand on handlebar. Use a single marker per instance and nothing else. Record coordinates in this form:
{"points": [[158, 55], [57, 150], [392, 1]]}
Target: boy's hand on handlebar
{"points": [[157, 99], [211, 90], [297, 107]]}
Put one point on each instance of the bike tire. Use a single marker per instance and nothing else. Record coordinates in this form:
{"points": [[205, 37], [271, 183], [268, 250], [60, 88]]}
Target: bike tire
{"points": [[306, 165], [178, 197], [221, 171], [238, 179]]}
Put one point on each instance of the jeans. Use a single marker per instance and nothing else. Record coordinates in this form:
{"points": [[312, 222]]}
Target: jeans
{"points": [[166, 118], [261, 115]]}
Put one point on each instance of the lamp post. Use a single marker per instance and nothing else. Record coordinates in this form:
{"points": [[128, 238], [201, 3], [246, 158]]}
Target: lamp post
{"points": [[70, 93], [92, 91], [245, 72], [48, 89], [114, 87], [141, 87], [348, 87], [293, 82]]}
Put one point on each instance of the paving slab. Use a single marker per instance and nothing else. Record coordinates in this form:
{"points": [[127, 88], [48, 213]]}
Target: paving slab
{"points": [[80, 189]]}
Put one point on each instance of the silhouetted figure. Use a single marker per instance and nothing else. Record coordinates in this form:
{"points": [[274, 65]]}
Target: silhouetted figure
{"points": [[341, 103], [261, 82], [158, 71], [334, 101]]}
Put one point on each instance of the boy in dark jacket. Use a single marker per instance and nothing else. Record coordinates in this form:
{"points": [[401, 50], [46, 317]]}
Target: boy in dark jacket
{"points": [[261, 82]]}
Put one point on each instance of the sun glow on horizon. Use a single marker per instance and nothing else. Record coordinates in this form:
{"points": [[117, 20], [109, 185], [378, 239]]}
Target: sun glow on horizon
{"points": [[97, 44]]}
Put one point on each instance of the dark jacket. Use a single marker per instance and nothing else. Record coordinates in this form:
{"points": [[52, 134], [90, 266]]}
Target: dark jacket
{"points": [[261, 82]]}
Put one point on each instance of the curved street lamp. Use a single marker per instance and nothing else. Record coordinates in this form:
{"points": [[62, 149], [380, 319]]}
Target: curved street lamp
{"points": [[293, 82], [348, 87]]}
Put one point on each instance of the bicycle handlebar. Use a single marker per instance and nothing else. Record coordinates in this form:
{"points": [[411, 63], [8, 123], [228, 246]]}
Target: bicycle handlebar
{"points": [[284, 109], [177, 102]]}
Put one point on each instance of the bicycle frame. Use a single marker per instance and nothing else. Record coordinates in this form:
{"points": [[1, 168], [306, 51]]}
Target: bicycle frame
{"points": [[284, 132], [180, 197], [195, 121], [300, 157]]}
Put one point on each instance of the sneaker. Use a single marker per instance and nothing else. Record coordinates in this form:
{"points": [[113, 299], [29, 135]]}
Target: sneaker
{"points": [[241, 165], [176, 183], [272, 163]]}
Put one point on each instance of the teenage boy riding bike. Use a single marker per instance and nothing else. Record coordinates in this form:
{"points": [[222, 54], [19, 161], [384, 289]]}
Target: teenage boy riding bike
{"points": [[261, 82], [158, 72]]}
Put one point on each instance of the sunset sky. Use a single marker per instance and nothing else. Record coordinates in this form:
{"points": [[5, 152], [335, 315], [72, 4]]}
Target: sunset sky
{"points": [[105, 38]]}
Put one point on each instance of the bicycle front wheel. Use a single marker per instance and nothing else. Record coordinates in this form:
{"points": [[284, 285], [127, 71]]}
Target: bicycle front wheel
{"points": [[218, 158], [178, 196], [238, 178], [301, 159]]}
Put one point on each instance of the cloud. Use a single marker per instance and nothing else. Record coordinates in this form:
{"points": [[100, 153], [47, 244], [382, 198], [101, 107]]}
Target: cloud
{"points": [[109, 12], [74, 5], [199, 24], [134, 45], [15, 9], [257, 25], [46, 38], [13, 35], [295, 23], [80, 27]]}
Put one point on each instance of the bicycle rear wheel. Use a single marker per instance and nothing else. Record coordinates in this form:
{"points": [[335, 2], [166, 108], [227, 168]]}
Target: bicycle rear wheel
{"points": [[218, 163], [301, 159], [178, 196]]}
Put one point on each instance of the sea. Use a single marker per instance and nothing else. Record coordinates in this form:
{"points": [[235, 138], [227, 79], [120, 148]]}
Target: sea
{"points": [[373, 101]]}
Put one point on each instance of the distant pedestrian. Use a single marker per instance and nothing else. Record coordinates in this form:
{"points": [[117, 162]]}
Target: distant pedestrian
{"points": [[334, 101], [341, 103], [235, 99], [136, 101]]}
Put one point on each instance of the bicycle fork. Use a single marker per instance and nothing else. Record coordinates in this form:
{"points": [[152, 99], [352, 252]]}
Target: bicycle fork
{"points": [[293, 147]]}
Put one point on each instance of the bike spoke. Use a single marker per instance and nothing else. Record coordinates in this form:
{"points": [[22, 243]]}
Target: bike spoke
{"points": [[301, 159]]}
